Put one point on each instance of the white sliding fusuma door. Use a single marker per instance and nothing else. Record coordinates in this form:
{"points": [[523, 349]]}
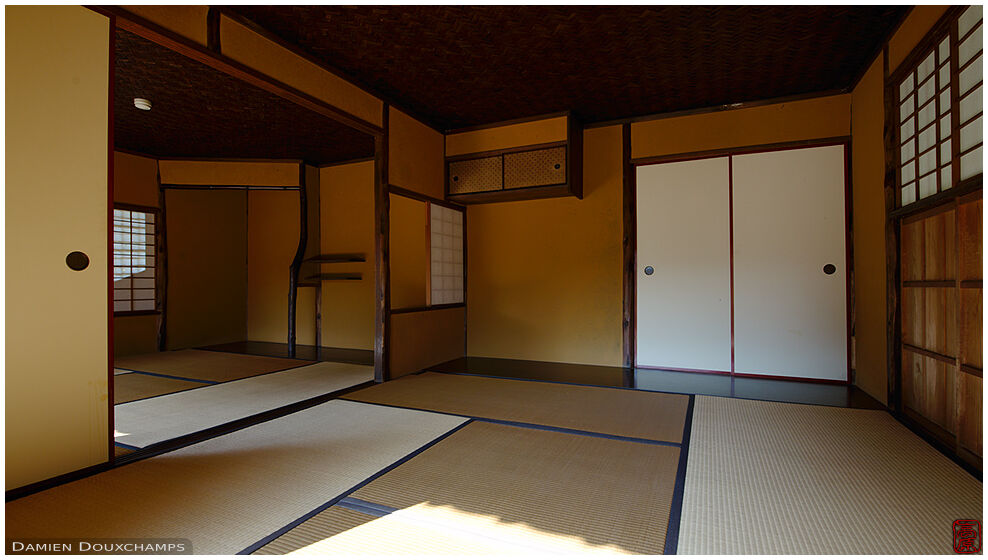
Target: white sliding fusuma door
{"points": [[790, 306], [684, 265]]}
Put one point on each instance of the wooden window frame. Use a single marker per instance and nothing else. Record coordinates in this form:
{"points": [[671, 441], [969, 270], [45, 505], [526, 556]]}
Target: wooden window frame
{"points": [[946, 27], [156, 212], [429, 202]]}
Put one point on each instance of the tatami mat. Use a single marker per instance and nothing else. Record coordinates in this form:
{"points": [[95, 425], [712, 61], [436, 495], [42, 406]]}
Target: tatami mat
{"points": [[773, 478], [637, 414], [133, 386], [229, 492], [119, 451], [340, 531], [206, 365], [148, 421], [538, 489]]}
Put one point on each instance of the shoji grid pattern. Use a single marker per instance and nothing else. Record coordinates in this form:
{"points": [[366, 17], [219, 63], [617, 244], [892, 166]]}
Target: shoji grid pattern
{"points": [[970, 79], [940, 108], [446, 226], [133, 260]]}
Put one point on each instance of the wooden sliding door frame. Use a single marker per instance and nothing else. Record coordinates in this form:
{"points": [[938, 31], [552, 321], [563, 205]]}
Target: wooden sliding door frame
{"points": [[630, 243], [211, 56], [429, 200]]}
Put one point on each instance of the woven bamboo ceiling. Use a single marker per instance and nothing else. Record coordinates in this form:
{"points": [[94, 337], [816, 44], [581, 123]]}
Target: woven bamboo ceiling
{"points": [[459, 66], [201, 112]]}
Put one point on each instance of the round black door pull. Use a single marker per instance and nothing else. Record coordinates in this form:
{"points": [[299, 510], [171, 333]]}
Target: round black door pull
{"points": [[649, 270], [77, 260], [555, 166], [829, 269]]}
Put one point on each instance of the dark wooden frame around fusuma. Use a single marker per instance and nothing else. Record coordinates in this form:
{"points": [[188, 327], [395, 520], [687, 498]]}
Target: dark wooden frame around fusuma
{"points": [[210, 56], [896, 214], [630, 242]]}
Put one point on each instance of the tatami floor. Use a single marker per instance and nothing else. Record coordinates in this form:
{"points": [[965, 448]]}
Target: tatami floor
{"points": [[162, 396], [445, 463]]}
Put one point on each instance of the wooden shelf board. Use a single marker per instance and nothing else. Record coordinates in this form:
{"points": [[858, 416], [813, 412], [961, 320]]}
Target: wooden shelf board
{"points": [[338, 258]]}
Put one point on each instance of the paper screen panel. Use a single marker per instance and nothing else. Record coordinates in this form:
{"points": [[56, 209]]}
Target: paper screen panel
{"points": [[447, 255]]}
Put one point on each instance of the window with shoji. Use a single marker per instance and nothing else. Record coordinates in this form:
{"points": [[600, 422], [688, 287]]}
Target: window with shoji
{"points": [[134, 262], [940, 112], [446, 226]]}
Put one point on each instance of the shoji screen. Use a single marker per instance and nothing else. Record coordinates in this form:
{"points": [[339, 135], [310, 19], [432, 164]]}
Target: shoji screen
{"points": [[446, 229], [789, 304], [684, 304]]}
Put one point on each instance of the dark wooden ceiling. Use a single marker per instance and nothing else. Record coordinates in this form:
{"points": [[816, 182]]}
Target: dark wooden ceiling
{"points": [[459, 66], [201, 112]]}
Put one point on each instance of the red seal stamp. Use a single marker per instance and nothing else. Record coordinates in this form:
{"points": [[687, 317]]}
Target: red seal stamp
{"points": [[967, 536]]}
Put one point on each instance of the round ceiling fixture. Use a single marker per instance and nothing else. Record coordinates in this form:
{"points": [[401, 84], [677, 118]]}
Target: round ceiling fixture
{"points": [[142, 104]]}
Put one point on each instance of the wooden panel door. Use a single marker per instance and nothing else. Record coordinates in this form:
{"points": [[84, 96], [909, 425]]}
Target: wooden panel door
{"points": [[683, 266], [790, 303], [941, 379]]}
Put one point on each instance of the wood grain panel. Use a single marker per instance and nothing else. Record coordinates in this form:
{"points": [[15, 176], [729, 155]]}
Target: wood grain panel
{"points": [[934, 329], [950, 244], [913, 317], [936, 249], [912, 370], [969, 429], [938, 390], [971, 345], [969, 218], [912, 250]]}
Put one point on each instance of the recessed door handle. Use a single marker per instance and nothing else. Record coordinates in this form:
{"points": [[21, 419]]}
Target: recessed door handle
{"points": [[77, 260], [649, 270], [829, 269]]}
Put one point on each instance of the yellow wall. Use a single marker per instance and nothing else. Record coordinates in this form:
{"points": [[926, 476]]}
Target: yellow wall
{"points": [[347, 226], [508, 136], [135, 334], [272, 239], [250, 173], [415, 155], [207, 267], [250, 48], [57, 337], [912, 30], [189, 21], [425, 338], [821, 117], [868, 185], [868, 178], [409, 252], [135, 180], [544, 276]]}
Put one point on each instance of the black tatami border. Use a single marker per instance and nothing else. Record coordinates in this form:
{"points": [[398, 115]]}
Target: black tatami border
{"points": [[676, 510]]}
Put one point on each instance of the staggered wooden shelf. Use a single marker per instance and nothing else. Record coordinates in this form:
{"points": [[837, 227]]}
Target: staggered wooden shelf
{"points": [[336, 276], [337, 258]]}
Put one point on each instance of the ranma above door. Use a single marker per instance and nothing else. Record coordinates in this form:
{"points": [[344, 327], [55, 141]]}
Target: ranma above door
{"points": [[748, 257]]}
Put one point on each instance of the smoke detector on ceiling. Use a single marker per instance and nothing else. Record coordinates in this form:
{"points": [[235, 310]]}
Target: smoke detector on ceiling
{"points": [[142, 104]]}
